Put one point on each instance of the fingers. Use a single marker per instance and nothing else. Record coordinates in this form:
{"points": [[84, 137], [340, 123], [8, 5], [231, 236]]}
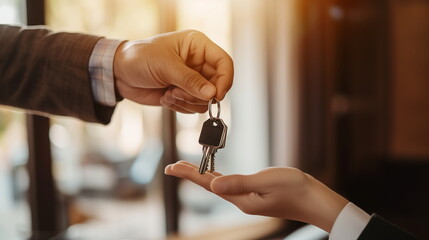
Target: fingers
{"points": [[190, 172], [223, 84], [192, 82], [217, 174], [182, 95], [173, 107], [156, 97], [238, 184], [141, 95], [224, 68], [168, 100], [209, 60], [222, 185], [246, 202]]}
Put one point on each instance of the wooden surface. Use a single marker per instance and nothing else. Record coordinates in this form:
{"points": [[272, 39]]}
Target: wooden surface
{"points": [[256, 230]]}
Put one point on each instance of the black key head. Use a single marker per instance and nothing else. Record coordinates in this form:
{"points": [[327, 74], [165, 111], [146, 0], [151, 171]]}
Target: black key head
{"points": [[212, 132]]}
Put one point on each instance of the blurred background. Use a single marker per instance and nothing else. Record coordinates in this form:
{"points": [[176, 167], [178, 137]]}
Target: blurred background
{"points": [[336, 88]]}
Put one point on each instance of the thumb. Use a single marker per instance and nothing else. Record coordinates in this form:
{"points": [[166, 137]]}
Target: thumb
{"points": [[193, 82], [234, 184]]}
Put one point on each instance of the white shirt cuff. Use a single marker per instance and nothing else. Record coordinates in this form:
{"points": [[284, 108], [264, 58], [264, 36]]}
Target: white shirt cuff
{"points": [[101, 71], [350, 223]]}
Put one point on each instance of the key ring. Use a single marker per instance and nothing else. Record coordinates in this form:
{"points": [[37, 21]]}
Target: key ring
{"points": [[210, 108]]}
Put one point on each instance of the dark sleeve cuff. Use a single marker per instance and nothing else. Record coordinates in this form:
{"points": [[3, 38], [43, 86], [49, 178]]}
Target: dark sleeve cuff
{"points": [[380, 229]]}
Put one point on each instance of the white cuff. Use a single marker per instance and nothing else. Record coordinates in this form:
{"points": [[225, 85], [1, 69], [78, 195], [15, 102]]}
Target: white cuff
{"points": [[101, 71], [350, 223]]}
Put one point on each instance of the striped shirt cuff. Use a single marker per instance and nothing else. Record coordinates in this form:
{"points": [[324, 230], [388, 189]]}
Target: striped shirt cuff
{"points": [[350, 223], [101, 71]]}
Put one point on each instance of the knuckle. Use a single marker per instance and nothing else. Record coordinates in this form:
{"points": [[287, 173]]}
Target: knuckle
{"points": [[194, 33], [203, 110]]}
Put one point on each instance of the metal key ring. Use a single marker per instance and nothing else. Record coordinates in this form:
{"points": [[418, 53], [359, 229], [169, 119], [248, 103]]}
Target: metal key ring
{"points": [[210, 108]]}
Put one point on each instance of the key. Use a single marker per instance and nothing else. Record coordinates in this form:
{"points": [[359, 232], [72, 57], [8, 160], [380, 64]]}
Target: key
{"points": [[212, 137], [212, 159], [213, 133], [211, 166], [204, 160]]}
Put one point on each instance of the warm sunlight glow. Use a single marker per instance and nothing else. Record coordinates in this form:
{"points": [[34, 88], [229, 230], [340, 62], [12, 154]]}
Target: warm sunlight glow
{"points": [[187, 141]]}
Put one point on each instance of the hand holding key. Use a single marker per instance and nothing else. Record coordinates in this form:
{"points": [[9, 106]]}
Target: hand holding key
{"points": [[179, 70], [212, 137]]}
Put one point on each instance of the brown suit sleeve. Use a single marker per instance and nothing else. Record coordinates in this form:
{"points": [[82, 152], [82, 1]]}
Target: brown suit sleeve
{"points": [[48, 72]]}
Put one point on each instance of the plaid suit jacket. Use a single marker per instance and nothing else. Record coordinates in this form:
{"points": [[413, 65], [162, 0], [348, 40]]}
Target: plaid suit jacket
{"points": [[47, 72]]}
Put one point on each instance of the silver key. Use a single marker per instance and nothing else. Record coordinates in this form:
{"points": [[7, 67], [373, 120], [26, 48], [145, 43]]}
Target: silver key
{"points": [[212, 159], [206, 159], [212, 137], [211, 165]]}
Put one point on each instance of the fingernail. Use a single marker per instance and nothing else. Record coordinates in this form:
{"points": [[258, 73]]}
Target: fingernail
{"points": [[208, 90], [167, 169], [178, 96], [221, 96]]}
